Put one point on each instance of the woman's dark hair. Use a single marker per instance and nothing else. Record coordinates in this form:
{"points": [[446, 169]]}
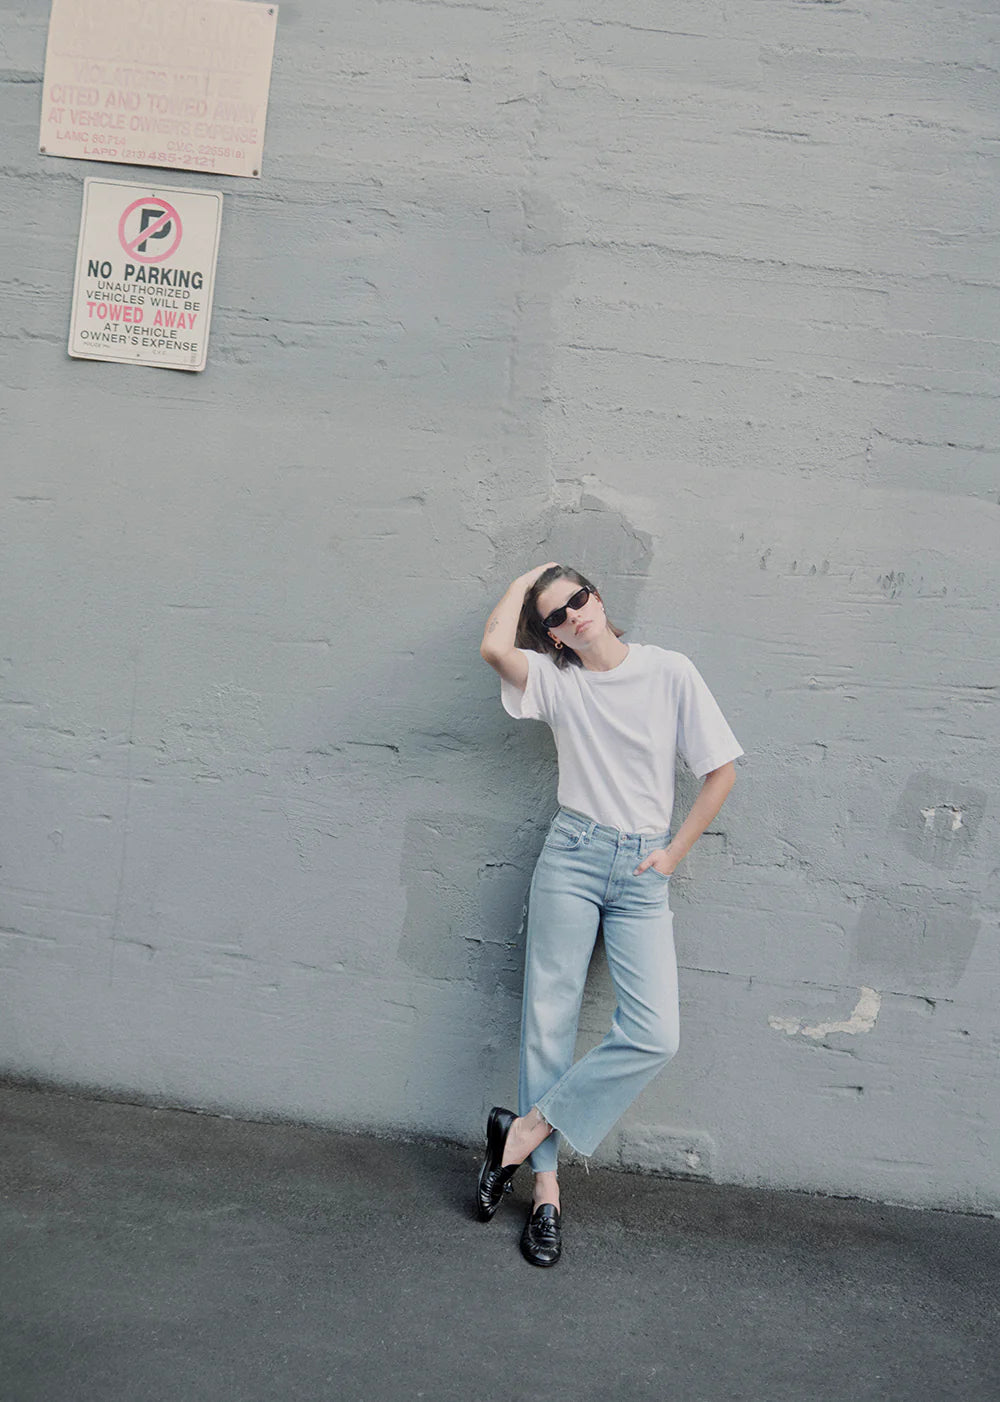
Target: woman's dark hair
{"points": [[531, 634]]}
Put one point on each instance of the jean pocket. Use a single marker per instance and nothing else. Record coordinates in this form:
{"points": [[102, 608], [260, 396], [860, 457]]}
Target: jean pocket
{"points": [[660, 876], [562, 839]]}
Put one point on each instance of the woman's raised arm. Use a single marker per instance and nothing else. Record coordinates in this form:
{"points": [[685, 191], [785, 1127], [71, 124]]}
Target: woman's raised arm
{"points": [[498, 645]]}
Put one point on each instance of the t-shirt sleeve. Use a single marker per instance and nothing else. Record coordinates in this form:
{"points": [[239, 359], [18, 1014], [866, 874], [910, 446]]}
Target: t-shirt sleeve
{"points": [[538, 699], [703, 734]]}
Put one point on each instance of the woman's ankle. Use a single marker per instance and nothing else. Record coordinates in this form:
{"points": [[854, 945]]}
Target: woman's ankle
{"points": [[546, 1188], [525, 1135]]}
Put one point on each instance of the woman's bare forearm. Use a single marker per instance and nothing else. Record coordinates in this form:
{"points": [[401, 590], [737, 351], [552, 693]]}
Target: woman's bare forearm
{"points": [[714, 792], [501, 626]]}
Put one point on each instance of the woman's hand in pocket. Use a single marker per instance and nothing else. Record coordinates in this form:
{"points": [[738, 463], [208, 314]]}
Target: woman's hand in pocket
{"points": [[659, 860]]}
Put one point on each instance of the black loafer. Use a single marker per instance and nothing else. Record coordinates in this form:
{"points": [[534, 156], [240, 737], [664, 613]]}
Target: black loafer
{"points": [[494, 1178], [541, 1240]]}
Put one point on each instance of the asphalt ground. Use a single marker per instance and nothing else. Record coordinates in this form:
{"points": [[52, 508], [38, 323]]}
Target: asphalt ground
{"points": [[155, 1255]]}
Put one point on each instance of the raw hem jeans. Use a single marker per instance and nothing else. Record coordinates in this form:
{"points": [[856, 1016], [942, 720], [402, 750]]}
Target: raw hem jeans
{"points": [[585, 871]]}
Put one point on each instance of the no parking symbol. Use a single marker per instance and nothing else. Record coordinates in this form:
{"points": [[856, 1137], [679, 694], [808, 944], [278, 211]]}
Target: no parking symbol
{"points": [[155, 220], [145, 274]]}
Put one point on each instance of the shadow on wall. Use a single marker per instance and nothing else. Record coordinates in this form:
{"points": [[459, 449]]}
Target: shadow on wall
{"points": [[594, 538], [465, 854], [918, 939], [414, 736], [466, 873]]}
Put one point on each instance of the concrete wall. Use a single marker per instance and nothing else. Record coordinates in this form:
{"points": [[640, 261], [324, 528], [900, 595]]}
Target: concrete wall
{"points": [[702, 296]]}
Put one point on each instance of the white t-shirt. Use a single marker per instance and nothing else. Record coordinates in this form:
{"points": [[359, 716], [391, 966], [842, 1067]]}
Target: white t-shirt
{"points": [[617, 733]]}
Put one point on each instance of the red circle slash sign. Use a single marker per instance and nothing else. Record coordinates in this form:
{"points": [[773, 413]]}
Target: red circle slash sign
{"points": [[154, 220]]}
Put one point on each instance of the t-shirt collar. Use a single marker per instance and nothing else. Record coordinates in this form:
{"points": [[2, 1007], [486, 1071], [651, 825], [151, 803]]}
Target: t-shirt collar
{"points": [[614, 672]]}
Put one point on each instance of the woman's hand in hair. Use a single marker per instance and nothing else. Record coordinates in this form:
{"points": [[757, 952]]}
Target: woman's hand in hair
{"points": [[528, 579]]}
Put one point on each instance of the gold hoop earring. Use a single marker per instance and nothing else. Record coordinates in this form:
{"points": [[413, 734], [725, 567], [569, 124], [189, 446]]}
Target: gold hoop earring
{"points": [[557, 644]]}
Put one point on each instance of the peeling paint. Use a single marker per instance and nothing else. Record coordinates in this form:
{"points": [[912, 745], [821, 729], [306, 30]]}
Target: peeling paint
{"points": [[950, 815], [862, 1019]]}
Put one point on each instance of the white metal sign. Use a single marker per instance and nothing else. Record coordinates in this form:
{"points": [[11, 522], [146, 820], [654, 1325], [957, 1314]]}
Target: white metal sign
{"points": [[180, 83], [145, 274]]}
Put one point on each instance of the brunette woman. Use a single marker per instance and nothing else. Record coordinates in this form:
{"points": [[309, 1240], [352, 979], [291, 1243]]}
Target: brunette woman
{"points": [[619, 713]]}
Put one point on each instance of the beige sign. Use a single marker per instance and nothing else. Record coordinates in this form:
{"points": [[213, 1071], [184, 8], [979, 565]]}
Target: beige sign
{"points": [[145, 274], [180, 83]]}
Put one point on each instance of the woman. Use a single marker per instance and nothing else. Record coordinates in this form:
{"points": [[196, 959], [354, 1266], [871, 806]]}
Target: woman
{"points": [[619, 713]]}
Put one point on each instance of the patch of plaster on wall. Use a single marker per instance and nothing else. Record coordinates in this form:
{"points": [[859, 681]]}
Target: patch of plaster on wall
{"points": [[862, 1019]]}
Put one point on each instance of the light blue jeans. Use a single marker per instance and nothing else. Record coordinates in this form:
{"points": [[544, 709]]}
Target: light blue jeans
{"points": [[584, 872]]}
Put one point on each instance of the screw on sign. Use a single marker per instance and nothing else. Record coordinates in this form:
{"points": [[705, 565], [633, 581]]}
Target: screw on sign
{"points": [[147, 222]]}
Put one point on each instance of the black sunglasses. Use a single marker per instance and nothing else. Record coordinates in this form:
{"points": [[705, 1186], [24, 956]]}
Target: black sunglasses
{"points": [[558, 616]]}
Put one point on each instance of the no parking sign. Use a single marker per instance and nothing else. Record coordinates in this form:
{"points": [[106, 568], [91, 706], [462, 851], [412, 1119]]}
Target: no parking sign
{"points": [[145, 274]]}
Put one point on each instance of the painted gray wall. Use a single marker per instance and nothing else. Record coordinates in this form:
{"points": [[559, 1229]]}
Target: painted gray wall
{"points": [[704, 298]]}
